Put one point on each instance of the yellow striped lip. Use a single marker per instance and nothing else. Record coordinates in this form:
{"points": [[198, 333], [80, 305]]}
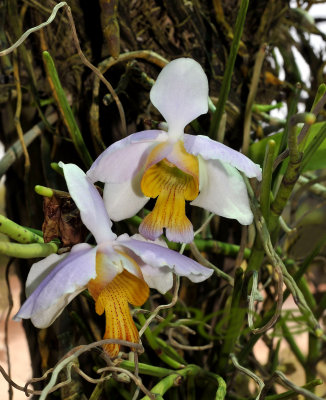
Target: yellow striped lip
{"points": [[114, 299], [172, 185]]}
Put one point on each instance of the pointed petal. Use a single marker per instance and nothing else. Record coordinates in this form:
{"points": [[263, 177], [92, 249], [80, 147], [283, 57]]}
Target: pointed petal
{"points": [[211, 150], [224, 192], [89, 202], [60, 286], [123, 159], [124, 200], [180, 93], [158, 257]]}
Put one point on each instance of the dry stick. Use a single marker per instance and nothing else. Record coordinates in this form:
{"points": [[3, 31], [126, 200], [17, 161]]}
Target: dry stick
{"points": [[15, 151], [134, 377], [75, 353], [147, 55], [96, 71], [34, 29], [134, 397], [80, 53], [251, 97]]}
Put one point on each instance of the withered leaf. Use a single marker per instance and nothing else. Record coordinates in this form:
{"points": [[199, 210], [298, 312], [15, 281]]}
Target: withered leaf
{"points": [[62, 220]]}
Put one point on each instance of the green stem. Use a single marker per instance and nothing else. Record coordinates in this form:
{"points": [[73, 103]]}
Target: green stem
{"points": [[174, 379], [226, 83], [236, 320], [33, 250], [292, 343], [156, 346], [146, 369], [17, 232]]}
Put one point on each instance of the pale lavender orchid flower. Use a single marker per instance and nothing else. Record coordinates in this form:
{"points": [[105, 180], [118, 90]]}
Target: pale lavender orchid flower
{"points": [[116, 271], [174, 166]]}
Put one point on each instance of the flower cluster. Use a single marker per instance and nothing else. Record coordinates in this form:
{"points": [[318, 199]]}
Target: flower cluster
{"points": [[171, 167]]}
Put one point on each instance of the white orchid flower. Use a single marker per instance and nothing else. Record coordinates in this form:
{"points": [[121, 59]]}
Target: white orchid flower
{"points": [[173, 166], [116, 271]]}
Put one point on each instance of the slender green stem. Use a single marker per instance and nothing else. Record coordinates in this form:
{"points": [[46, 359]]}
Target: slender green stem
{"points": [[236, 320], [265, 194], [226, 83], [66, 111], [313, 145], [291, 341]]}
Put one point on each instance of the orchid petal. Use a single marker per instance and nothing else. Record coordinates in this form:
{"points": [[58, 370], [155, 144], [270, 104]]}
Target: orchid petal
{"points": [[61, 285], [124, 200], [224, 192], [160, 279], [158, 256], [89, 202], [180, 93], [123, 159], [40, 270], [211, 150]]}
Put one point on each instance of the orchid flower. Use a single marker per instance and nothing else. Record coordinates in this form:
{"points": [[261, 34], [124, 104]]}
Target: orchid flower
{"points": [[172, 166], [116, 271]]}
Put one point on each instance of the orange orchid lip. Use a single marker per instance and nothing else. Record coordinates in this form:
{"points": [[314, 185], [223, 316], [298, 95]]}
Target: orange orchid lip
{"points": [[172, 185], [114, 298]]}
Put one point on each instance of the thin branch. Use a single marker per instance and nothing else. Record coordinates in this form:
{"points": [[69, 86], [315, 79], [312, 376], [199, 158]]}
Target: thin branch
{"points": [[34, 29], [162, 307]]}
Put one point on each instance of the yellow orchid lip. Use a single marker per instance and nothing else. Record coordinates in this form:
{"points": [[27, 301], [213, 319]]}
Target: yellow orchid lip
{"points": [[172, 185], [114, 298]]}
